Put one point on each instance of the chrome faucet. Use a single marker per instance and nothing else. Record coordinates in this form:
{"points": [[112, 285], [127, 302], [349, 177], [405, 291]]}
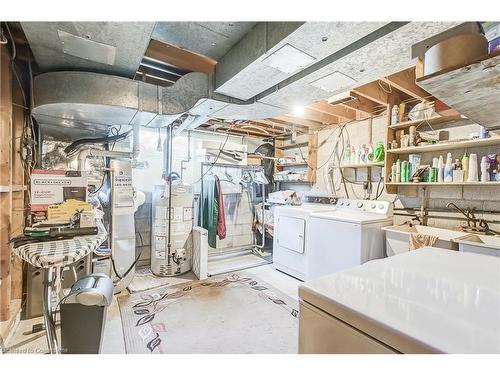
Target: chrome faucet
{"points": [[469, 214], [471, 218]]}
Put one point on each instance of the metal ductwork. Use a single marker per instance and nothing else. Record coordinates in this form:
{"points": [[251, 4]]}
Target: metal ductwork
{"points": [[274, 67]]}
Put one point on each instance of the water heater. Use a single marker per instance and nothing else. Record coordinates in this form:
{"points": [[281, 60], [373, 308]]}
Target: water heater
{"points": [[171, 232]]}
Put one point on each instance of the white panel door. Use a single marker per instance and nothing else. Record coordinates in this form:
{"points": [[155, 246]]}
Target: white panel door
{"points": [[291, 233]]}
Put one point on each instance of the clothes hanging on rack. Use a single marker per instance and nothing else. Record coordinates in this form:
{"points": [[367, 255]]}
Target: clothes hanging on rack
{"points": [[221, 217], [214, 220]]}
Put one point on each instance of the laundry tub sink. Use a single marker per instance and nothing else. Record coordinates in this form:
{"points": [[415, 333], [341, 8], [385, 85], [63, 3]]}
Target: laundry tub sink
{"points": [[480, 244], [397, 237]]}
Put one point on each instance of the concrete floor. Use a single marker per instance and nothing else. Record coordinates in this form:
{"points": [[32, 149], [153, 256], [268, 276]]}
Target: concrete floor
{"points": [[23, 341]]}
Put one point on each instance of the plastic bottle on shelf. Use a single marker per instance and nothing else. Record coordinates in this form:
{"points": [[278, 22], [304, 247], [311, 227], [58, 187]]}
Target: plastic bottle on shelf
{"points": [[353, 155], [393, 173], [404, 171], [398, 170], [394, 115], [434, 170], [473, 175], [448, 169], [465, 164], [379, 152], [440, 176], [347, 155], [485, 166]]}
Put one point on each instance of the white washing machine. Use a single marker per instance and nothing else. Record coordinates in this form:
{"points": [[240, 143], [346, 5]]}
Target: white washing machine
{"points": [[291, 238], [347, 237]]}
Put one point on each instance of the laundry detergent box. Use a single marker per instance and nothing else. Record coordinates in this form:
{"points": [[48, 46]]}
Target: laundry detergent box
{"points": [[51, 187]]}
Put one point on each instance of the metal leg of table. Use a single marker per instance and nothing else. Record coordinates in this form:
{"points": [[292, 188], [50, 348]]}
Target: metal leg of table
{"points": [[50, 327]]}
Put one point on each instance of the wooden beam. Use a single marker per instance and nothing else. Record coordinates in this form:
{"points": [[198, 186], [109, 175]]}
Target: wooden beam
{"points": [[280, 125], [364, 105], [179, 57], [405, 81], [241, 132], [335, 110], [312, 158], [373, 92], [270, 126], [297, 121], [316, 115], [5, 180], [258, 127]]}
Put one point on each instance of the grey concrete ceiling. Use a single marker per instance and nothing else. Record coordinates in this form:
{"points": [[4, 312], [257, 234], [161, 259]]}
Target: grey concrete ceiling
{"points": [[252, 76], [380, 58], [212, 39], [128, 39]]}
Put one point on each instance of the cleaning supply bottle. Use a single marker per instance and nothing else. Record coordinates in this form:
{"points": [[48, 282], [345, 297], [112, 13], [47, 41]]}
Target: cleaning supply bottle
{"points": [[465, 164], [473, 175], [440, 176], [393, 172], [404, 171], [398, 170], [448, 169], [485, 166], [394, 115], [347, 155], [434, 170], [379, 152]]}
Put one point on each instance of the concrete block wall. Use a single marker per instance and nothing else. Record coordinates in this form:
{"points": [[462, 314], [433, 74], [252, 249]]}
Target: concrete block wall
{"points": [[239, 220], [483, 199]]}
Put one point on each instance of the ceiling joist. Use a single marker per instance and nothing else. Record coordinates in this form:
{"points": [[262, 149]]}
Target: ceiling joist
{"points": [[405, 81], [363, 105], [297, 121], [340, 112]]}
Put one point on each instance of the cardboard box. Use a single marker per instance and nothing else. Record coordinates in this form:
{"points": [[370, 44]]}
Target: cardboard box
{"points": [[64, 211], [49, 187]]}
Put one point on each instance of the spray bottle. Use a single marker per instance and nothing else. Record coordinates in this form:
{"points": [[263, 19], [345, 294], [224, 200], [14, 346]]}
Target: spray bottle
{"points": [[448, 169], [440, 176]]}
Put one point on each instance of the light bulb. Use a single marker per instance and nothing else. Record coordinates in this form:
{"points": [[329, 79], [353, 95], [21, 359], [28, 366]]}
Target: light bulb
{"points": [[298, 111]]}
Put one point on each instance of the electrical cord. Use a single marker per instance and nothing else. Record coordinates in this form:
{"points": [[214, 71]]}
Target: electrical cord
{"points": [[106, 140], [215, 161], [121, 277]]}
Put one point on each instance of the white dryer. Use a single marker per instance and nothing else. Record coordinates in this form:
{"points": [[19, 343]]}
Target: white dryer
{"points": [[291, 234], [347, 237]]}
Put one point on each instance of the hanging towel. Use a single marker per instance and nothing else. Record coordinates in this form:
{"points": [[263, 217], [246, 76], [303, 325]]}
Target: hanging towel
{"points": [[221, 218], [421, 240], [210, 210]]}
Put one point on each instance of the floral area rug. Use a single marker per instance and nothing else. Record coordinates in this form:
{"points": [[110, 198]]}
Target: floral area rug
{"points": [[231, 313]]}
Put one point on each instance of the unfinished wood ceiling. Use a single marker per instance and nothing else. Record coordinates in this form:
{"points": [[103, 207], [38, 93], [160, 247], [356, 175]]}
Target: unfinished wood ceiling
{"points": [[362, 102]]}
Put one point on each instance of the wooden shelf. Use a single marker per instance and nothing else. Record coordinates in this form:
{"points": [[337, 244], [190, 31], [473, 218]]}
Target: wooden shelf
{"points": [[447, 146], [489, 183], [471, 89], [360, 165], [295, 182], [293, 145], [431, 121], [293, 165]]}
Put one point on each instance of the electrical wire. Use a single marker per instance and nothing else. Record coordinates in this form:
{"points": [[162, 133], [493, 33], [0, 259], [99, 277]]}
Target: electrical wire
{"points": [[383, 88], [215, 161]]}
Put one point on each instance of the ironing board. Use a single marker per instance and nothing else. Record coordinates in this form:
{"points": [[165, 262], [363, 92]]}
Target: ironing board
{"points": [[50, 255]]}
